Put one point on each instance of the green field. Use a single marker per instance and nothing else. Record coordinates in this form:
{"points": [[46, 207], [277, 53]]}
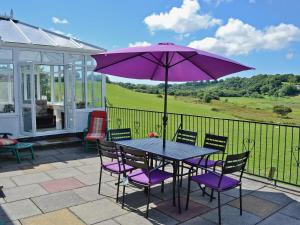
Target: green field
{"points": [[273, 143], [254, 109]]}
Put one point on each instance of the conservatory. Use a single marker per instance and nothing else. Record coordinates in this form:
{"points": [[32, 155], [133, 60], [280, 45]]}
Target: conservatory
{"points": [[47, 83]]}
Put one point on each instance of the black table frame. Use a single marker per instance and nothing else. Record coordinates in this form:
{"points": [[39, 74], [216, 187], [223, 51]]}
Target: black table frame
{"points": [[174, 151]]}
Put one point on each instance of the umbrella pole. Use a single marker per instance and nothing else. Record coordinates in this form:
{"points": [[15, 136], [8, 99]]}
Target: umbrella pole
{"points": [[165, 118]]}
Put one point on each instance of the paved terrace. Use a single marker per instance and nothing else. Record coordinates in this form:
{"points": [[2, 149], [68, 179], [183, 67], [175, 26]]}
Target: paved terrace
{"points": [[60, 188]]}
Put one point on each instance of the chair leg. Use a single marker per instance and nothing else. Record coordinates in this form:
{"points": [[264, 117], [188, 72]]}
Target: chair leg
{"points": [[148, 201], [118, 187], [188, 194], [162, 187], [100, 177], [219, 208], [32, 153], [123, 196], [241, 203], [17, 155], [181, 174], [211, 195]]}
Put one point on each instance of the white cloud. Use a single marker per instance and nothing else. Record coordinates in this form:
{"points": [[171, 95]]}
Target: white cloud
{"points": [[289, 55], [217, 2], [239, 38], [57, 20], [183, 19], [139, 44]]}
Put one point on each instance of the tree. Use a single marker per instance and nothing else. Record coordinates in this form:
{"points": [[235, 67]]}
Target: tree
{"points": [[282, 110], [288, 90]]}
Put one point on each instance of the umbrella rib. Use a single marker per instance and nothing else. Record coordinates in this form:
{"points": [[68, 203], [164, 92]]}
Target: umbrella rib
{"points": [[157, 59], [123, 60], [171, 58], [184, 59], [197, 66], [157, 63], [154, 71]]}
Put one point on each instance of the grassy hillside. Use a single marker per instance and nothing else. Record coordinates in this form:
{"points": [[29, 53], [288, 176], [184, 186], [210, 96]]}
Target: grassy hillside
{"points": [[259, 109]]}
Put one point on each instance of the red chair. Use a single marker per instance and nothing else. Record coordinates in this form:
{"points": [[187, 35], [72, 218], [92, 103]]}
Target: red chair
{"points": [[96, 130]]}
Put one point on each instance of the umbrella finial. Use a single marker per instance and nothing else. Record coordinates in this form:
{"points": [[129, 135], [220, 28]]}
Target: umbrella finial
{"points": [[166, 43]]}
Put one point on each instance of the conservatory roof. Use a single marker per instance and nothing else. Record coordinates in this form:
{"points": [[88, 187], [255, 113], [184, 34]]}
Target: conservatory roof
{"points": [[15, 31]]}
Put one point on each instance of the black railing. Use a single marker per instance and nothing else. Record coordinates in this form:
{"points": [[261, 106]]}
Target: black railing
{"points": [[275, 148]]}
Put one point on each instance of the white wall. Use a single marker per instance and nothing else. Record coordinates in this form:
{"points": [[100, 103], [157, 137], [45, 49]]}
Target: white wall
{"points": [[10, 124]]}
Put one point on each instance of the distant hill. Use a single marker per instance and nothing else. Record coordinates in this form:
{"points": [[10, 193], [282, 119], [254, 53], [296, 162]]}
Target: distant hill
{"points": [[258, 86]]}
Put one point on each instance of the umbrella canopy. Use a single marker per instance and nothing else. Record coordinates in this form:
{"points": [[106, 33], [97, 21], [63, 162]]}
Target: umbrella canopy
{"points": [[166, 62]]}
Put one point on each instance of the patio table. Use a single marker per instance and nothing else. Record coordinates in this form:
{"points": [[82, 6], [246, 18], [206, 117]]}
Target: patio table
{"points": [[173, 151]]}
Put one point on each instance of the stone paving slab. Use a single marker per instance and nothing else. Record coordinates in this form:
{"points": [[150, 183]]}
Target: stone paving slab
{"points": [[195, 209], [16, 222], [31, 178], [89, 193], [23, 192], [11, 173], [97, 211], [61, 184], [231, 216], [273, 195], [60, 217], [198, 221], [251, 203], [107, 222], [292, 209], [7, 182], [155, 217], [66, 164], [19, 209], [205, 200], [64, 173], [280, 219], [93, 178], [94, 168], [57, 201], [37, 168]]}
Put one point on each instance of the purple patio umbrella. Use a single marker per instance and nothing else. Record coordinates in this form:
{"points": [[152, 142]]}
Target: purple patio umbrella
{"points": [[166, 62]]}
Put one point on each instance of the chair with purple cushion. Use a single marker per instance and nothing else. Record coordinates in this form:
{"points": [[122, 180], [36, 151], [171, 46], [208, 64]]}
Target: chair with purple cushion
{"points": [[144, 176], [108, 149], [220, 182], [213, 142]]}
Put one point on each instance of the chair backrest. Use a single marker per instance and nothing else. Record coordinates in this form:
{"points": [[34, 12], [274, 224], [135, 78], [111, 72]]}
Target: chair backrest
{"points": [[135, 158], [97, 122], [186, 137], [108, 149], [215, 142], [120, 134], [236, 163]]}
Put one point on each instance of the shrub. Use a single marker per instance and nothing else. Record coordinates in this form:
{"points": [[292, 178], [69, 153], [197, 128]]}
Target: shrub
{"points": [[214, 109], [159, 96], [282, 110]]}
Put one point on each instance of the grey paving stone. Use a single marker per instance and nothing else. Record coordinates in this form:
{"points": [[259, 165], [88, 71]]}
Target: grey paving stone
{"points": [[23, 192], [205, 200], [92, 160], [292, 209], [155, 217], [31, 178], [11, 173], [231, 216], [66, 164], [107, 222], [64, 173], [19, 209], [273, 195], [197, 221], [89, 168], [93, 178], [280, 219], [16, 222], [89, 193], [57, 201], [6, 182], [90, 212]]}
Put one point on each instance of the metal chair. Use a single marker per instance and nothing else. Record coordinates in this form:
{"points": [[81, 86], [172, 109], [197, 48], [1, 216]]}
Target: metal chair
{"points": [[144, 176], [120, 134], [219, 181], [213, 142], [108, 150]]}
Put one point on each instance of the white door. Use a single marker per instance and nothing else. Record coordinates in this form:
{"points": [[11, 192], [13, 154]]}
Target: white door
{"points": [[27, 93]]}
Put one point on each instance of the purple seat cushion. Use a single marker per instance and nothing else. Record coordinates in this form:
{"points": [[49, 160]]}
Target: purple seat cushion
{"points": [[195, 162], [115, 168], [157, 176], [212, 180]]}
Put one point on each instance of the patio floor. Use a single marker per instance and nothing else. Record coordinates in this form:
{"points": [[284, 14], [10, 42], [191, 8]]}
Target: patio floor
{"points": [[60, 188]]}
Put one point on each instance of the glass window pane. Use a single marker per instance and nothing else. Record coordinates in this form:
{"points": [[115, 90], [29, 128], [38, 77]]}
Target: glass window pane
{"points": [[79, 87], [75, 59], [91, 62], [94, 90], [5, 54], [7, 104], [29, 56], [52, 58]]}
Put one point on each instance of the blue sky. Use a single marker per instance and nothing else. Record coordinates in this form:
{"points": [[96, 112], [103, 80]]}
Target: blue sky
{"points": [[264, 34]]}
